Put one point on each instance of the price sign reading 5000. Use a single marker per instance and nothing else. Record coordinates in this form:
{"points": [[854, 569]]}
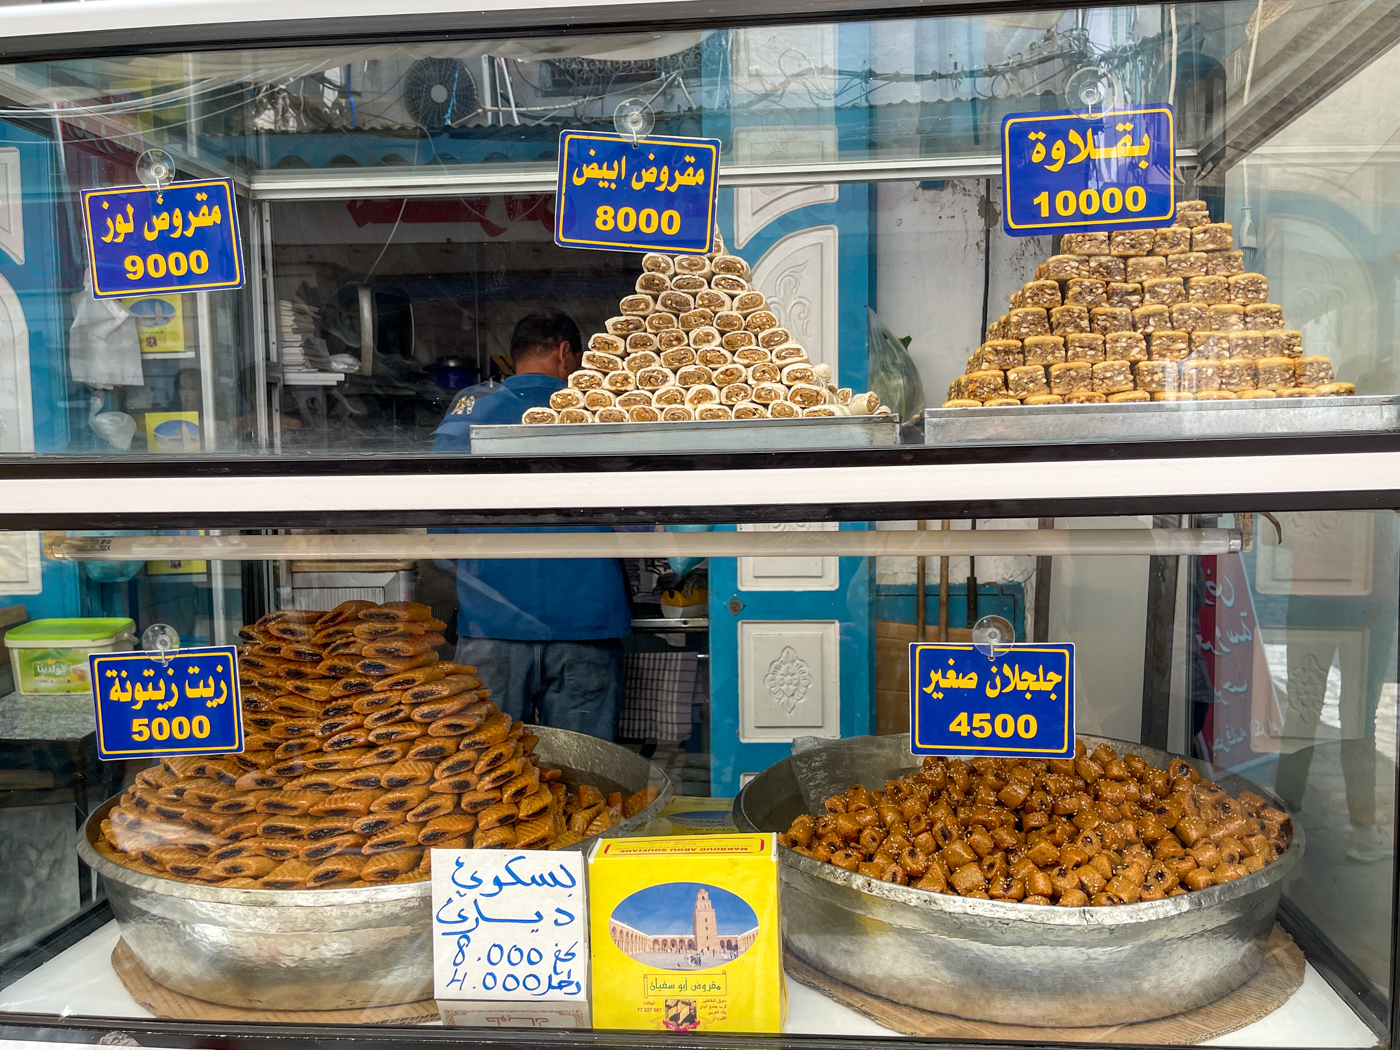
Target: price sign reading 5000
{"points": [[1065, 172], [652, 194], [186, 703], [1007, 700]]}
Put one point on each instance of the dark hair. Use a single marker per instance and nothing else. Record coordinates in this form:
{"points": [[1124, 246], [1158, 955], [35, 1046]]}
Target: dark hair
{"points": [[542, 332]]}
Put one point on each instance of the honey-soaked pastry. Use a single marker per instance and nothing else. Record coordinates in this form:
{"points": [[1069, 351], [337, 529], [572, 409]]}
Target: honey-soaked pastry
{"points": [[737, 342], [661, 321], [728, 321], [640, 342], [701, 394], [1280, 342], [1215, 395], [1238, 374], [1150, 318], [285, 826], [476, 801], [771, 337], [1227, 317], [1124, 346], [1085, 397], [655, 262], [1043, 350], [1146, 268], [713, 300], [676, 302], [1187, 265], [1335, 389], [314, 852], [790, 353], [1171, 240], [1187, 317], [1163, 291], [1264, 316], [535, 802], [1027, 321], [1226, 263], [1085, 346], [714, 357], [1214, 237], [1124, 294], [1069, 320], [1003, 354], [536, 416], [692, 320], [633, 399], [287, 803], [1155, 376], [643, 413], [1245, 343], [749, 410], [601, 362], [650, 283], [248, 866], [1297, 391], [449, 826], [1200, 375], [496, 815], [1129, 396], [346, 739], [403, 836], [1169, 345], [982, 385], [1065, 268], [1094, 242], [1107, 268], [1130, 242], [500, 837], [406, 774], [1109, 319], [746, 304], [1041, 293], [1026, 381], [349, 803], [392, 866], [1070, 377], [612, 415], [1112, 377], [1255, 394], [1313, 371], [434, 804], [452, 685]]}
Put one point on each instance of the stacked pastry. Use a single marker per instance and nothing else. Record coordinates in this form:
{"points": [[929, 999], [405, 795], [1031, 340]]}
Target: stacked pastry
{"points": [[362, 751], [1143, 315], [697, 341]]}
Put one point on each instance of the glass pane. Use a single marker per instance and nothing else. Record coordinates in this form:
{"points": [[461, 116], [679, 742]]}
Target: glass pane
{"points": [[397, 210], [1235, 700]]}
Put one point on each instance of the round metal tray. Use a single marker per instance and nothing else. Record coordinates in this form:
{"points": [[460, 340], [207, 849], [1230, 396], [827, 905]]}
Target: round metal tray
{"points": [[995, 961], [325, 949]]}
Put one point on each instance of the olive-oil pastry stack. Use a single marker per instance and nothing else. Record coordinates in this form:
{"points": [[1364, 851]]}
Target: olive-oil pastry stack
{"points": [[1143, 315], [697, 341], [362, 751]]}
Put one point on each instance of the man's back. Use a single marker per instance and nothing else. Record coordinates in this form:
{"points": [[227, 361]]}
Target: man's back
{"points": [[492, 402]]}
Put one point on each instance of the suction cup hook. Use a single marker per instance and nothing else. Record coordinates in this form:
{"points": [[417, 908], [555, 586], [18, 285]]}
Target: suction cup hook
{"points": [[990, 632], [155, 169], [634, 117], [162, 639], [1092, 88]]}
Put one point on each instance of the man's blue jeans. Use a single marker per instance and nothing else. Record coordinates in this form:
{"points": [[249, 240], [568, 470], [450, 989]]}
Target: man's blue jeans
{"points": [[566, 685]]}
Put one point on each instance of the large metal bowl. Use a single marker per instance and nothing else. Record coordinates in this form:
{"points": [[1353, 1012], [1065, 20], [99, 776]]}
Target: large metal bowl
{"points": [[995, 961], [325, 949]]}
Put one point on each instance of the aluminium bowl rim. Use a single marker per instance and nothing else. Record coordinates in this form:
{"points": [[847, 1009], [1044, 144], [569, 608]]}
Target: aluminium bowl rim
{"points": [[1117, 915], [329, 896]]}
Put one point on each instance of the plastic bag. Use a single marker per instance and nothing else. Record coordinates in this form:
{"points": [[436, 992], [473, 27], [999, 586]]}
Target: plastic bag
{"points": [[103, 347], [892, 372]]}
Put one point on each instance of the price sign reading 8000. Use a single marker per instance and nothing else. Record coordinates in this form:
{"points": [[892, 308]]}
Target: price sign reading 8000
{"points": [[649, 194], [1008, 700], [1067, 172]]}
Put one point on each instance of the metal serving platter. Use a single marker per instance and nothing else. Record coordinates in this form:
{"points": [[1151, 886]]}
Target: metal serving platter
{"points": [[325, 949], [720, 435], [1162, 420], [996, 961]]}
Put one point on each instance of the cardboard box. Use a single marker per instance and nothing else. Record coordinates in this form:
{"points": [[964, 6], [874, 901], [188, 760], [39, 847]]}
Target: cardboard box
{"points": [[686, 934], [694, 815]]}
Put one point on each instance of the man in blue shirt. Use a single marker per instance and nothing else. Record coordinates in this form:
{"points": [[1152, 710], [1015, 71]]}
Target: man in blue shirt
{"points": [[544, 635]]}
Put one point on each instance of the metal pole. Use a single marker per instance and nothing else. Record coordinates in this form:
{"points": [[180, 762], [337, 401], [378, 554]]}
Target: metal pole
{"points": [[943, 591], [920, 587]]}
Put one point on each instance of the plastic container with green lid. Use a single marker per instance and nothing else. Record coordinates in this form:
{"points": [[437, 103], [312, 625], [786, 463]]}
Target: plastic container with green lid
{"points": [[50, 657]]}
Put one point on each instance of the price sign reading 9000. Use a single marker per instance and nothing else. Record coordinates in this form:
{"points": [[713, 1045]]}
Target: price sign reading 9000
{"points": [[652, 193], [182, 238], [1066, 172]]}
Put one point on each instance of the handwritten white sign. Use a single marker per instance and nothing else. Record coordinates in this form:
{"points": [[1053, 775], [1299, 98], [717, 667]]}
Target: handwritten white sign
{"points": [[510, 926]]}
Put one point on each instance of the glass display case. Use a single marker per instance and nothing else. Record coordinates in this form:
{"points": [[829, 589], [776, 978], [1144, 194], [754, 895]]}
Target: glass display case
{"points": [[530, 548]]}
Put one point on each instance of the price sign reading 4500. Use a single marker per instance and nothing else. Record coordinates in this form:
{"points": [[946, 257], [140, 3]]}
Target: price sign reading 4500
{"points": [[1013, 700], [1067, 172]]}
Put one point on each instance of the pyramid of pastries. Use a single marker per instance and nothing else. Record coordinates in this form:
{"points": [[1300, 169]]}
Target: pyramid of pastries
{"points": [[363, 751], [1143, 315], [697, 341]]}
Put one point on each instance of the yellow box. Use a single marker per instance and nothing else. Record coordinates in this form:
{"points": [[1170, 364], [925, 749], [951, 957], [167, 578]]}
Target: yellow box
{"points": [[172, 431], [686, 934], [160, 323], [694, 815]]}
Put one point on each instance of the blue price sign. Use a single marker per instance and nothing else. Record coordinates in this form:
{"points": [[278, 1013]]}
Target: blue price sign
{"points": [[183, 238], [187, 705], [1066, 172], [653, 194], [1012, 700]]}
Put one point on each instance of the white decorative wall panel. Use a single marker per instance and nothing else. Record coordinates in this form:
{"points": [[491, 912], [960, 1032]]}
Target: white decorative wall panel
{"points": [[756, 206], [1323, 553], [799, 277], [11, 205], [16, 407], [20, 563], [785, 60], [790, 574], [789, 679]]}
